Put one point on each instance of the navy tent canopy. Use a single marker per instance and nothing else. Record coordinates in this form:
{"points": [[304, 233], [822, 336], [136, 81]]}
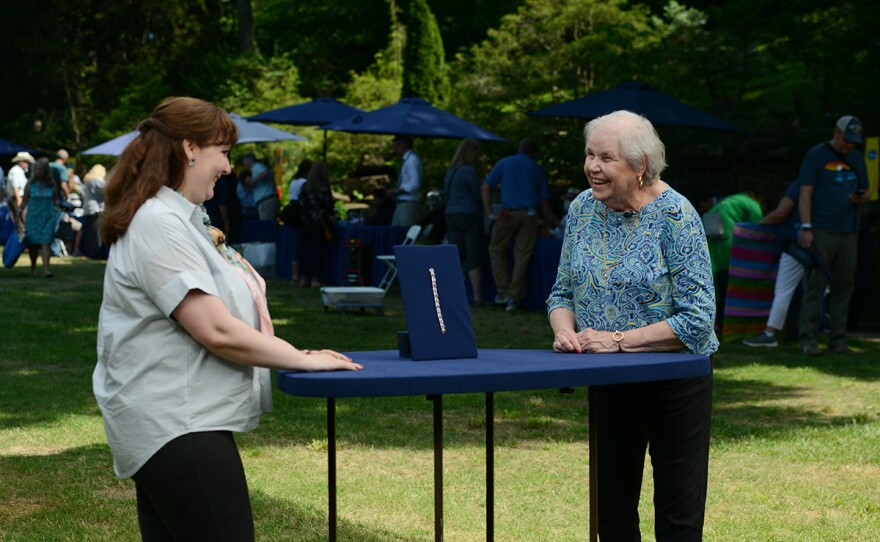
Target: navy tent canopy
{"points": [[317, 112], [659, 108], [8, 147], [314, 113], [414, 117]]}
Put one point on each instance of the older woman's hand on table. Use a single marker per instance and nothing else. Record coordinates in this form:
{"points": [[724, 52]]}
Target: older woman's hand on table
{"points": [[597, 342], [566, 341], [587, 341]]}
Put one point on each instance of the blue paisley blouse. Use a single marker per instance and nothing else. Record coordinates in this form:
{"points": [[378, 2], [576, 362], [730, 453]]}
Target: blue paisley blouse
{"points": [[657, 265]]}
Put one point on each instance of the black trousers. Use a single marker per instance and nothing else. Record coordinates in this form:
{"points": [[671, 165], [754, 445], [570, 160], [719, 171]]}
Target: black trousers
{"points": [[671, 419], [194, 489], [311, 250]]}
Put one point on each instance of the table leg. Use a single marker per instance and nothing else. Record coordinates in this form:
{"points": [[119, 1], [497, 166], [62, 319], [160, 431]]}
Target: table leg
{"points": [[331, 467], [438, 466], [490, 466], [593, 433]]}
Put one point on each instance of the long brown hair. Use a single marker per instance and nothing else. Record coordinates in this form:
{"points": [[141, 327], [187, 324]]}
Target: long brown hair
{"points": [[155, 158], [318, 177], [42, 173], [468, 152]]}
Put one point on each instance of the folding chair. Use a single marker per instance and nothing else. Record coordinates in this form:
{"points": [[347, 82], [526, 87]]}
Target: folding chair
{"points": [[388, 259], [367, 297]]}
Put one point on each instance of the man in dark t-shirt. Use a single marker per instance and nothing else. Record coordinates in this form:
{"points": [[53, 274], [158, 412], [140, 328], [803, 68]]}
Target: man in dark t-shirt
{"points": [[834, 183]]}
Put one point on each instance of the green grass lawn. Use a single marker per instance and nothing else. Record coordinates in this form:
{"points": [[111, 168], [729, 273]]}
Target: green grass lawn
{"points": [[795, 447]]}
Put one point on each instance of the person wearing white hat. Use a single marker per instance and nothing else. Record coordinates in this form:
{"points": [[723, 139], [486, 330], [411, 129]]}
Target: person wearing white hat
{"points": [[16, 181]]}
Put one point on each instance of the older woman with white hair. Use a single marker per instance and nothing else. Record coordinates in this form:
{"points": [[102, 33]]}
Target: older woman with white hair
{"points": [[635, 276]]}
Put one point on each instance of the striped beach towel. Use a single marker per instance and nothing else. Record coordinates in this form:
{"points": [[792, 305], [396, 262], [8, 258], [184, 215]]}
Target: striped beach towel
{"points": [[752, 277]]}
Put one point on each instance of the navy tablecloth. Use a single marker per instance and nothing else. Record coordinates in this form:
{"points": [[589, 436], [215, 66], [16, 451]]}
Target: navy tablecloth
{"points": [[379, 240], [385, 374], [259, 231], [374, 240]]}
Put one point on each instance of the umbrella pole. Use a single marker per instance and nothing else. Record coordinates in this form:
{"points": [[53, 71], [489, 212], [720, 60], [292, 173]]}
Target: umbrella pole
{"points": [[325, 146]]}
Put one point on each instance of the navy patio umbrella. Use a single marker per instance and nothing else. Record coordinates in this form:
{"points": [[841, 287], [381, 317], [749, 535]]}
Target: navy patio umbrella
{"points": [[317, 112], [248, 132], [8, 147], [413, 117], [659, 108]]}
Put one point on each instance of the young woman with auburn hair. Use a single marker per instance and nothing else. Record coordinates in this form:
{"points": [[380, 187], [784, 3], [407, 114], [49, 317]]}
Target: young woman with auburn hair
{"points": [[184, 333]]}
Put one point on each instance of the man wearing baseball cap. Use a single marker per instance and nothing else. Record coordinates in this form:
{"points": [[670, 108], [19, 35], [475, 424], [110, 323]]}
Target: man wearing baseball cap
{"points": [[834, 185]]}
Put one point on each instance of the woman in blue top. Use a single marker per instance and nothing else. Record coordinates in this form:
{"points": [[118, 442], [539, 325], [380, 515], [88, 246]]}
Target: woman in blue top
{"points": [[40, 205], [635, 276], [464, 212]]}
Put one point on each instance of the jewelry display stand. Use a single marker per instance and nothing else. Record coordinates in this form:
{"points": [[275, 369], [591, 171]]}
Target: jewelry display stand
{"points": [[438, 318]]}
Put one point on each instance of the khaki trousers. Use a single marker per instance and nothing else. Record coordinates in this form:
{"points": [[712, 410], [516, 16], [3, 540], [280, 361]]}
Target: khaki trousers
{"points": [[521, 228], [839, 251]]}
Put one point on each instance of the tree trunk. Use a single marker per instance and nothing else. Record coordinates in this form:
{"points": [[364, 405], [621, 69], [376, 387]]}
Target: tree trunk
{"points": [[245, 27]]}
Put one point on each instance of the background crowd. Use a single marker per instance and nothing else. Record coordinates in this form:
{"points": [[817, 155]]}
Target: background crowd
{"points": [[486, 210]]}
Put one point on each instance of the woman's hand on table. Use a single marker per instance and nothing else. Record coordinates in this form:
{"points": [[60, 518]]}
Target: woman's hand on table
{"points": [[328, 360], [566, 341], [598, 342]]}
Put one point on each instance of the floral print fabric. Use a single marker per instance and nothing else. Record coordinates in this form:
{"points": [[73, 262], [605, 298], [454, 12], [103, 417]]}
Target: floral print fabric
{"points": [[657, 266]]}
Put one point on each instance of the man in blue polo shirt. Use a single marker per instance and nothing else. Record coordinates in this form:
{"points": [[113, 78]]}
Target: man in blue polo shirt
{"points": [[834, 184], [524, 196]]}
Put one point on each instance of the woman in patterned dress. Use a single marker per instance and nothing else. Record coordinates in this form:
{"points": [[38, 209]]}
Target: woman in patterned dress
{"points": [[40, 206], [635, 276]]}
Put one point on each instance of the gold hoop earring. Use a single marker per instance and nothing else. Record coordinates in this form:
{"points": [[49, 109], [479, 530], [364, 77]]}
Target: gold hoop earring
{"points": [[641, 182]]}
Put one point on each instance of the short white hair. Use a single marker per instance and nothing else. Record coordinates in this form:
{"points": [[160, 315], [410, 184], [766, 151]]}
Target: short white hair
{"points": [[638, 141]]}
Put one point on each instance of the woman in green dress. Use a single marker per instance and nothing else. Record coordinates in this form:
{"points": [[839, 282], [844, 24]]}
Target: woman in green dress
{"points": [[40, 206]]}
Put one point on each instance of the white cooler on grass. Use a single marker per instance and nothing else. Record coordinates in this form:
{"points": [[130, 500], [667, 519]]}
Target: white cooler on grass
{"points": [[367, 297], [353, 297]]}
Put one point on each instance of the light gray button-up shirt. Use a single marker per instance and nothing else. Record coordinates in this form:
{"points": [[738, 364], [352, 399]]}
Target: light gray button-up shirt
{"points": [[153, 381], [410, 180]]}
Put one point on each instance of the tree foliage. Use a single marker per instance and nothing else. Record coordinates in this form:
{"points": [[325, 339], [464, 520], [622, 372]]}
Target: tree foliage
{"points": [[76, 73], [329, 40], [424, 64], [549, 52]]}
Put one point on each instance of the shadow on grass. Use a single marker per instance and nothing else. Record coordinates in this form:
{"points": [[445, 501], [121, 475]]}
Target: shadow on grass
{"points": [[407, 422], [521, 418], [860, 365], [48, 356], [737, 416], [74, 495], [32, 395]]}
